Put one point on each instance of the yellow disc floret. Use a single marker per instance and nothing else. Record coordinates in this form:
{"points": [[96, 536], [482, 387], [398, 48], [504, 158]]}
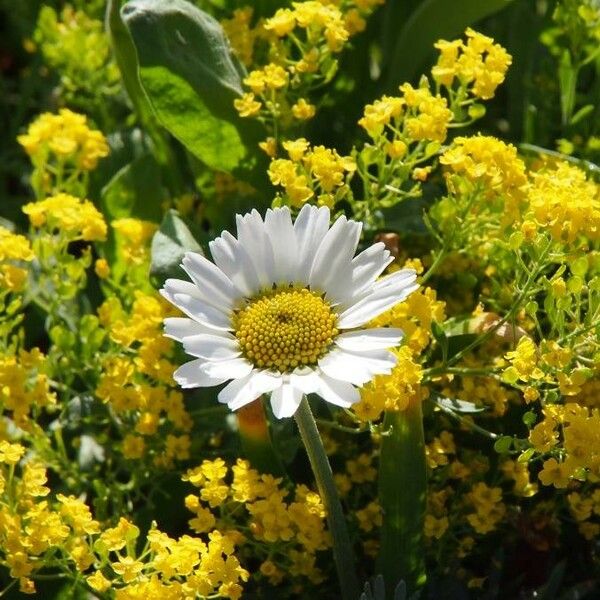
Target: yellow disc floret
{"points": [[285, 328]]}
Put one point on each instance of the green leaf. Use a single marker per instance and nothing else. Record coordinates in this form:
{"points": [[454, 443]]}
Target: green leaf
{"points": [[126, 59], [429, 22], [567, 78], [191, 78], [503, 445], [583, 112], [135, 191], [169, 244]]}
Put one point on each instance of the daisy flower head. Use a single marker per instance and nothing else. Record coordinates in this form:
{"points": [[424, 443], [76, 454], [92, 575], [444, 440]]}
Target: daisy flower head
{"points": [[284, 308]]}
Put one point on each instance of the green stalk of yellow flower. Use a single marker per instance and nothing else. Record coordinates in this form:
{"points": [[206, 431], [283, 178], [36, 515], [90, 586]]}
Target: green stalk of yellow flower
{"points": [[402, 495], [342, 547], [256, 439]]}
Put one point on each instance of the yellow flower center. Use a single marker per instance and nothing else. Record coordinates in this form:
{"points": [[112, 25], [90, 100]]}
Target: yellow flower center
{"points": [[285, 328]]}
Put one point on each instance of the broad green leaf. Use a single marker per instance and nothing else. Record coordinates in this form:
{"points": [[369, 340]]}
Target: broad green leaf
{"points": [[126, 59], [429, 22], [191, 78], [135, 191], [169, 244]]}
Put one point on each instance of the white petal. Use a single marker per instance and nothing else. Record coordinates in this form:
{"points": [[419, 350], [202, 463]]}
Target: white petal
{"points": [[335, 253], [243, 391], [310, 228], [234, 368], [385, 293], [368, 266], [369, 339], [198, 310], [352, 278], [213, 285], [233, 259], [355, 367], [178, 328], [278, 224], [253, 237], [285, 401], [338, 392], [194, 374], [306, 380], [212, 347]]}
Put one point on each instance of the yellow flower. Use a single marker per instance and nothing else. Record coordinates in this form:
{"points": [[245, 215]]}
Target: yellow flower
{"points": [[247, 105], [296, 148], [134, 238], [282, 22], [554, 473], [101, 268], [133, 446], [98, 582], [303, 111], [435, 527]]}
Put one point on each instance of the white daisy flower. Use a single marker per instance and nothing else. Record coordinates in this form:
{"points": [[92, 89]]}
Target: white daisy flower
{"points": [[283, 309]]}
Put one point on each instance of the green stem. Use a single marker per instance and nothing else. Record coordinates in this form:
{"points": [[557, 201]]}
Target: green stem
{"points": [[403, 496], [342, 548]]}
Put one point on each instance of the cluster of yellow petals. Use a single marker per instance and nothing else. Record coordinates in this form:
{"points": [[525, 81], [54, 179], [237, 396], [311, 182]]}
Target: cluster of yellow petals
{"points": [[133, 238], [575, 429], [393, 392], [418, 113], [285, 329], [65, 136], [24, 384], [479, 62], [310, 172], [488, 508], [139, 384], [78, 219], [272, 516], [320, 18], [491, 165], [14, 248], [564, 202]]}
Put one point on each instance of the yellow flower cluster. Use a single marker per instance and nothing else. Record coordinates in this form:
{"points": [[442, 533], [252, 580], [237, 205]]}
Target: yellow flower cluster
{"points": [[571, 431], [24, 385], [13, 248], [565, 203], [297, 524], [312, 173], [438, 450], [77, 46], [479, 63], [165, 568], [133, 237], [518, 472], [583, 507], [393, 392], [415, 316], [240, 33], [301, 43], [415, 116], [65, 137], [491, 166], [78, 219], [139, 383], [488, 508], [523, 362], [316, 18]]}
